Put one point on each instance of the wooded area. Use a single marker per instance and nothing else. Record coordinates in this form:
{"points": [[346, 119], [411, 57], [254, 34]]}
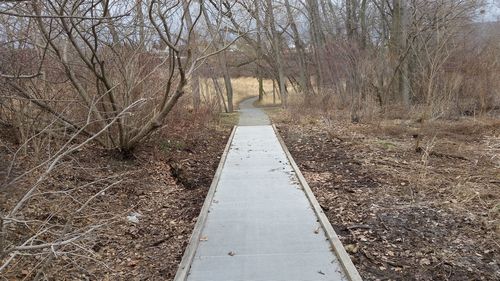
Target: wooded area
{"points": [[94, 91]]}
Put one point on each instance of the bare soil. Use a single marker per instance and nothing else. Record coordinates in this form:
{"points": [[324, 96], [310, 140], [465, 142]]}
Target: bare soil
{"points": [[406, 210], [165, 183]]}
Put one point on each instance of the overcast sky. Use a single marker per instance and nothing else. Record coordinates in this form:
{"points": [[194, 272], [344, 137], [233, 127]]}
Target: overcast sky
{"points": [[492, 11]]}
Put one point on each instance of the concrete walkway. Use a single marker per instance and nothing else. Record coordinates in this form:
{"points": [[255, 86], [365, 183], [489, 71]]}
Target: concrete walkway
{"points": [[250, 115], [259, 222]]}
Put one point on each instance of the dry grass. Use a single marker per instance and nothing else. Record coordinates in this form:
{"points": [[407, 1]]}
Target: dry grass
{"points": [[243, 88], [247, 87]]}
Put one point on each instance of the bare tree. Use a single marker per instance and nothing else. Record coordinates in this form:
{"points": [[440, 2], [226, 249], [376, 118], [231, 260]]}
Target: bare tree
{"points": [[305, 81], [318, 40], [109, 75], [214, 25], [277, 44]]}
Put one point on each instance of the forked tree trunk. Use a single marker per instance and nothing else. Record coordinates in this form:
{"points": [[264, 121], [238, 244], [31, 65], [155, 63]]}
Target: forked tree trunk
{"points": [[109, 23]]}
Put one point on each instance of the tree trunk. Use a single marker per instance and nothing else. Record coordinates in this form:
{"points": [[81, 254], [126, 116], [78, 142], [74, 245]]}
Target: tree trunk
{"points": [[109, 23], [227, 80], [396, 48], [259, 52], [349, 20], [364, 29], [317, 40], [305, 83], [261, 84], [276, 42], [274, 92], [140, 23], [219, 94], [328, 17], [221, 58], [193, 48], [229, 90]]}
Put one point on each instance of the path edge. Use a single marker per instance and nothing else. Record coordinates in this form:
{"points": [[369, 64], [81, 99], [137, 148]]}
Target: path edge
{"points": [[343, 257], [187, 259]]}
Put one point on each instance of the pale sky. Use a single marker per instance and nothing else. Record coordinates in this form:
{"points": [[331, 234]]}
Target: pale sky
{"points": [[492, 11]]}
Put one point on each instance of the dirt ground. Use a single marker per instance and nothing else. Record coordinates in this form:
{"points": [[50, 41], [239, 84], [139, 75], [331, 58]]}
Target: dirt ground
{"points": [[406, 210], [165, 184]]}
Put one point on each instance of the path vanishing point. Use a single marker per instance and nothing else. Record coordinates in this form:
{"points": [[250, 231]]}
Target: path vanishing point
{"points": [[260, 220]]}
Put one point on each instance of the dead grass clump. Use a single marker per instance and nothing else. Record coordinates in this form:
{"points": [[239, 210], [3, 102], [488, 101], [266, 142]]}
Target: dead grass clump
{"points": [[468, 128]]}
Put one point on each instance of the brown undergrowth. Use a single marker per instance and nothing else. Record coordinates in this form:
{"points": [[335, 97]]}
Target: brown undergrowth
{"points": [[163, 186], [410, 201]]}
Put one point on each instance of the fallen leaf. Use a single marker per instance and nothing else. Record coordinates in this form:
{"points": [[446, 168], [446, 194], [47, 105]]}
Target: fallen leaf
{"points": [[425, 261], [317, 230], [352, 248]]}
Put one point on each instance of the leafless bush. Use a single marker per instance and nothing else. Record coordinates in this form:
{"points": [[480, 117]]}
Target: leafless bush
{"points": [[45, 217], [102, 56]]}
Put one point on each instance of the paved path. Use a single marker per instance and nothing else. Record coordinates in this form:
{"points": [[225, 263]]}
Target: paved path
{"points": [[260, 224], [250, 115]]}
